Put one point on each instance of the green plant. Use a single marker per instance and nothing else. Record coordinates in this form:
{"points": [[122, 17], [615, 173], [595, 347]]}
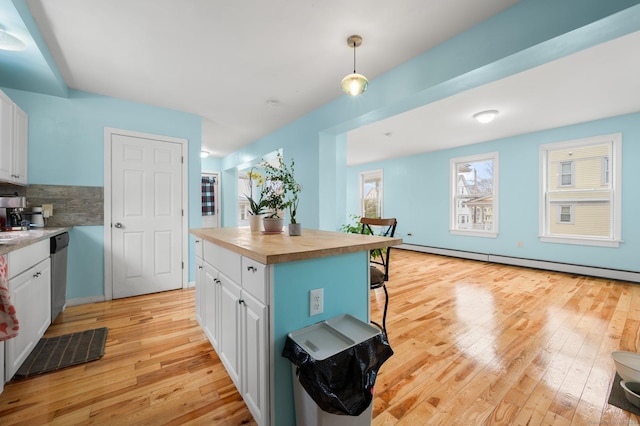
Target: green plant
{"points": [[282, 189], [355, 227], [256, 207]]}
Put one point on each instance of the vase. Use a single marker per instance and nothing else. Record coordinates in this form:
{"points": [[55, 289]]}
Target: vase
{"points": [[255, 222], [295, 229], [273, 224]]}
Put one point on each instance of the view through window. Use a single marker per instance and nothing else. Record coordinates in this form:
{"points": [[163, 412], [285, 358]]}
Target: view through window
{"points": [[581, 191], [474, 195], [371, 194]]}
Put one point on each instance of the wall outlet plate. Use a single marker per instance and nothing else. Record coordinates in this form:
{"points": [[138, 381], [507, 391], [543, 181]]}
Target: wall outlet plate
{"points": [[316, 301], [47, 210]]}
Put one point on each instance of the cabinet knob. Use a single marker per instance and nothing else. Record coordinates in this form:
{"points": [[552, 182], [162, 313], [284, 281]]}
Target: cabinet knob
{"points": [[199, 267], [251, 268], [241, 302]]}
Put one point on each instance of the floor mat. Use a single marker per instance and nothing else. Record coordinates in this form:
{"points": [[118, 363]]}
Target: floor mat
{"points": [[54, 353]]}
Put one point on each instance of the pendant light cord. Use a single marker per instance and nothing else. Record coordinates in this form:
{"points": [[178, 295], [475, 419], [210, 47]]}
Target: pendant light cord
{"points": [[354, 57]]}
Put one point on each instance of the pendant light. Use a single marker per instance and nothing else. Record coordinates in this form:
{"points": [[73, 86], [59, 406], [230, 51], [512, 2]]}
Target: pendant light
{"points": [[10, 42], [354, 84]]}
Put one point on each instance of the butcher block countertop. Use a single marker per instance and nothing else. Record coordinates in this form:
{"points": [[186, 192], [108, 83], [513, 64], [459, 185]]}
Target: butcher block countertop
{"points": [[281, 248]]}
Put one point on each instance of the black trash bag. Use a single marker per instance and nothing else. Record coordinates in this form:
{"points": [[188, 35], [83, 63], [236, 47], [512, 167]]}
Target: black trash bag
{"points": [[342, 383]]}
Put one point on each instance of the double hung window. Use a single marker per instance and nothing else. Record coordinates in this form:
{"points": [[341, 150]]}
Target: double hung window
{"points": [[580, 191]]}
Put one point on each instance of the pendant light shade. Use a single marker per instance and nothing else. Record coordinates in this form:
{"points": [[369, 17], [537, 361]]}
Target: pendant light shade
{"points": [[10, 42], [354, 84]]}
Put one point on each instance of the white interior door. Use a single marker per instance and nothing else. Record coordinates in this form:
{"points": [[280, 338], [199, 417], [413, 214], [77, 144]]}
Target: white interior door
{"points": [[146, 215]]}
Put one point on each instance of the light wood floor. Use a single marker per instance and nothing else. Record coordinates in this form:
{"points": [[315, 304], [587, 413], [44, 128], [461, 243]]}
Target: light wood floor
{"points": [[474, 343]]}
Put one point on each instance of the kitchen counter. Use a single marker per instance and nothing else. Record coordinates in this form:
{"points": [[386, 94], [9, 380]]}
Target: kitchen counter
{"points": [[280, 248], [14, 240], [253, 289]]}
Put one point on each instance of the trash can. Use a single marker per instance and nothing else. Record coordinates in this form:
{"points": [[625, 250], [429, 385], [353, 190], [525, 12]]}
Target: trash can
{"points": [[334, 365]]}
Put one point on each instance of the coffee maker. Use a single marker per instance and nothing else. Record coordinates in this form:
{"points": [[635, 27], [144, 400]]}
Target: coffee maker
{"points": [[11, 209]]}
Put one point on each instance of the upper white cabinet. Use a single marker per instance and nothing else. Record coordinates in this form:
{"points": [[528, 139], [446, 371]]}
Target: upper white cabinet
{"points": [[14, 125]]}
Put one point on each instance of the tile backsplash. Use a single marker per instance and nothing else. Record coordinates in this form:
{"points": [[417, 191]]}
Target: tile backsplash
{"points": [[72, 205]]}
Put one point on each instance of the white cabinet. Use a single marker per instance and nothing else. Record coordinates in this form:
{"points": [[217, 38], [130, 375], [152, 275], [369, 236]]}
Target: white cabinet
{"points": [[30, 288], [200, 313], [20, 145], [14, 138], [6, 137], [236, 319]]}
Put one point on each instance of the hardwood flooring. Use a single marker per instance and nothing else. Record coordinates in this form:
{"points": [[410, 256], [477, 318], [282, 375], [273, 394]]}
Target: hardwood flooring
{"points": [[475, 343]]}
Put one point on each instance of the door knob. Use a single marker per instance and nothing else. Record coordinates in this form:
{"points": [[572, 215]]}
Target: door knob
{"points": [[118, 225]]}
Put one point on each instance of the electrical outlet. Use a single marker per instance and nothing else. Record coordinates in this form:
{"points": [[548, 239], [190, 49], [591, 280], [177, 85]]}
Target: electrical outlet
{"points": [[316, 301], [47, 210]]}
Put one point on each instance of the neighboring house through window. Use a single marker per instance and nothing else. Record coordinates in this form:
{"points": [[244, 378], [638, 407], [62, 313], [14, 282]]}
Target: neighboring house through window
{"points": [[371, 194], [474, 195], [580, 191]]}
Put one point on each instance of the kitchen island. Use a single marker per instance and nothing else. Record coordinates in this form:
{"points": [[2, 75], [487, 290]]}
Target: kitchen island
{"points": [[252, 289]]}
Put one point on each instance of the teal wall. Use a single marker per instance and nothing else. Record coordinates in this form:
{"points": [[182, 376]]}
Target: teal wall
{"points": [[66, 147], [290, 309], [416, 192], [530, 33]]}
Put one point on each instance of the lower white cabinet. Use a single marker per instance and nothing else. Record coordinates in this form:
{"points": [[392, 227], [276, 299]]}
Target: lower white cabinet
{"points": [[31, 296], [235, 319]]}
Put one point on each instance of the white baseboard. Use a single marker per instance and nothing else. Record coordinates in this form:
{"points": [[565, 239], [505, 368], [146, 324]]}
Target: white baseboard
{"points": [[191, 284], [594, 271], [85, 300]]}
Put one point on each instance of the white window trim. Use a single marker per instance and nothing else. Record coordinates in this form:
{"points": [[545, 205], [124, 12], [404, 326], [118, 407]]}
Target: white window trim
{"points": [[606, 165], [559, 214], [363, 175], [573, 174], [615, 176], [453, 181]]}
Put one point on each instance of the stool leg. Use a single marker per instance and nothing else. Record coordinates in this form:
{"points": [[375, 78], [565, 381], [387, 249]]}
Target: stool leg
{"points": [[386, 303]]}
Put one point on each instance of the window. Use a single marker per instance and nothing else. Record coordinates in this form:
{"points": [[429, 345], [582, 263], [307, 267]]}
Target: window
{"points": [[474, 195], [565, 214], [580, 191], [566, 173], [371, 194]]}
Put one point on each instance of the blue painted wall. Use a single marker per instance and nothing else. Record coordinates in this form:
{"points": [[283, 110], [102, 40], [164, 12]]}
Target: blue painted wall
{"points": [[290, 309], [66, 147], [416, 191]]}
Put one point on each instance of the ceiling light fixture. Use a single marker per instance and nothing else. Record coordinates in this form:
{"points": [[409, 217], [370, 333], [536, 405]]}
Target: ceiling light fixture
{"points": [[485, 117], [354, 84], [10, 42], [204, 154]]}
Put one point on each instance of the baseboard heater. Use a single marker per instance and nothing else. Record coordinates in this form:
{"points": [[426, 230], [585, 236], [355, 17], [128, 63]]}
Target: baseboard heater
{"points": [[594, 271]]}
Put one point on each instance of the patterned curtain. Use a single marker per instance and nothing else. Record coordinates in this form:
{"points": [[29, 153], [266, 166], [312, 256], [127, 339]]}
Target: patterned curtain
{"points": [[208, 196]]}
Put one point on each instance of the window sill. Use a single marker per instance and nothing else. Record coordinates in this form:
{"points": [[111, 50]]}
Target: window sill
{"points": [[580, 241], [484, 234]]}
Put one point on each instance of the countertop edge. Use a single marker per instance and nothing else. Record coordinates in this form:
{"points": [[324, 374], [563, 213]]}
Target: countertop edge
{"points": [[43, 234], [304, 254]]}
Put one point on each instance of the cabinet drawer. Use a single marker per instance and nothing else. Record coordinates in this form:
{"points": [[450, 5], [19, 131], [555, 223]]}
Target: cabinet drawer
{"points": [[223, 260], [22, 259], [254, 279], [199, 247]]}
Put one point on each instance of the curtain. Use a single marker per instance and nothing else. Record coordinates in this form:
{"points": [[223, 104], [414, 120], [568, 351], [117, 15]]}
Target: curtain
{"points": [[208, 196]]}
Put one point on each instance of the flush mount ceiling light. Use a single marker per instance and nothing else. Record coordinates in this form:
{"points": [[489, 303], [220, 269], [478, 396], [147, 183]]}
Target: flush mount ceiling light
{"points": [[485, 117], [204, 154], [354, 84], [10, 42]]}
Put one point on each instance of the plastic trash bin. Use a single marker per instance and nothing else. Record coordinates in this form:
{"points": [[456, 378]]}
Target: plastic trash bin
{"points": [[334, 365]]}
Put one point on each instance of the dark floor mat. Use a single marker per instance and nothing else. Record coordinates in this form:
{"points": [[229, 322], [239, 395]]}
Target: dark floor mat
{"points": [[54, 353]]}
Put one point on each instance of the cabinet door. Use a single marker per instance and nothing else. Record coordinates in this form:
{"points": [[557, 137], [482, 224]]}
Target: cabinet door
{"points": [[20, 145], [230, 333], [6, 137], [200, 291], [211, 308], [31, 296], [255, 359]]}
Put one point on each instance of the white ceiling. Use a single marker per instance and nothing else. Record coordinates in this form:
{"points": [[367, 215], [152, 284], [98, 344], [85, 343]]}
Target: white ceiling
{"points": [[595, 83], [248, 67]]}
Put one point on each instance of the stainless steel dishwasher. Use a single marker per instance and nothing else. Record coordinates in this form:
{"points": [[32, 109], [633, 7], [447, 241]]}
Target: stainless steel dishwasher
{"points": [[59, 245]]}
